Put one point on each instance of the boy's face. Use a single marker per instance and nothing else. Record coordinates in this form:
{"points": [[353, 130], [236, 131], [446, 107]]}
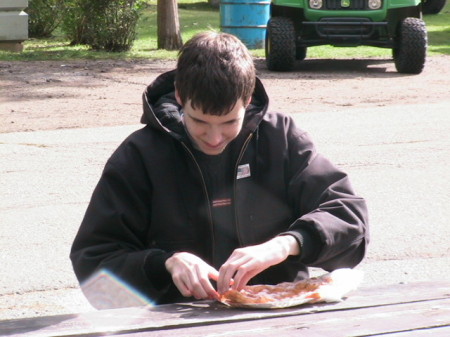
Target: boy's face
{"points": [[211, 134]]}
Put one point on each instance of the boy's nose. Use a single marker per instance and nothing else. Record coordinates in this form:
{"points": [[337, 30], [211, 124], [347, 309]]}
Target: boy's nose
{"points": [[214, 137]]}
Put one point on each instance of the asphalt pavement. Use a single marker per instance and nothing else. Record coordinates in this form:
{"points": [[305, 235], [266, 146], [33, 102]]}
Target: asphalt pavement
{"points": [[398, 158]]}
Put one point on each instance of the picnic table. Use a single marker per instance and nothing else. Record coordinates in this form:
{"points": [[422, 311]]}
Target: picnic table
{"points": [[401, 310]]}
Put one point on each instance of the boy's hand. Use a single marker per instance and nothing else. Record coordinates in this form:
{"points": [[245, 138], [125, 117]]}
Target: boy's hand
{"points": [[191, 276], [245, 263]]}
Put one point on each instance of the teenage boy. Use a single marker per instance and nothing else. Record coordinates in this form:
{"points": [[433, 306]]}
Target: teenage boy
{"points": [[215, 191]]}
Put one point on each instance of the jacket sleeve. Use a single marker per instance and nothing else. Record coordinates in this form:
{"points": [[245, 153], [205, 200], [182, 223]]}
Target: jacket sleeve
{"points": [[114, 234], [332, 226]]}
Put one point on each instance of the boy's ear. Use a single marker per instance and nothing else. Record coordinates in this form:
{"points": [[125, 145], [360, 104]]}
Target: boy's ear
{"points": [[177, 97]]}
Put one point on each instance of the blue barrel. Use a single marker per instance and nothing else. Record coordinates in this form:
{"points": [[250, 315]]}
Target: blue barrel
{"points": [[246, 19]]}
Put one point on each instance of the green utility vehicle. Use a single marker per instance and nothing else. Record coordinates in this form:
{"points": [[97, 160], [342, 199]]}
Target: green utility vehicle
{"points": [[295, 25]]}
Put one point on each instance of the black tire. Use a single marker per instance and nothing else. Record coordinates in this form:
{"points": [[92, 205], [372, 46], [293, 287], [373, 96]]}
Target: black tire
{"points": [[280, 44], [300, 53], [410, 46], [432, 6]]}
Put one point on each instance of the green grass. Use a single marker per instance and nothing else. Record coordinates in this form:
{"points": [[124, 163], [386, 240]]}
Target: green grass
{"points": [[196, 16], [438, 27]]}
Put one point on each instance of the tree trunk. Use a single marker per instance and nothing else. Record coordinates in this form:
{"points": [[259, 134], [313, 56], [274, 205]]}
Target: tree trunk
{"points": [[169, 36], [214, 3]]}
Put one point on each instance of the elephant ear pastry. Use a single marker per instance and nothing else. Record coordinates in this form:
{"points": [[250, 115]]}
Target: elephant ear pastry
{"points": [[331, 287]]}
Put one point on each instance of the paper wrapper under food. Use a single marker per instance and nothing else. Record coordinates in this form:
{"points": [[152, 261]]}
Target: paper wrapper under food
{"points": [[333, 287]]}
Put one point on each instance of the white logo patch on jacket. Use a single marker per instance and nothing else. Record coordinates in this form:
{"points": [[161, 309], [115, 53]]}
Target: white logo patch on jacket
{"points": [[243, 171]]}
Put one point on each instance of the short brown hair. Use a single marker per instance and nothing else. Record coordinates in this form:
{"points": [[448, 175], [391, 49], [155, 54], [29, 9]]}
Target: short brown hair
{"points": [[214, 71]]}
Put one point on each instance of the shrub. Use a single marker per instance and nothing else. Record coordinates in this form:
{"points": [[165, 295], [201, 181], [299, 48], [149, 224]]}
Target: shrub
{"points": [[102, 24], [43, 17]]}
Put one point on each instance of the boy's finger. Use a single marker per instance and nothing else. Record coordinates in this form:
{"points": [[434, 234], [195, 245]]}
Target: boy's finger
{"points": [[214, 275]]}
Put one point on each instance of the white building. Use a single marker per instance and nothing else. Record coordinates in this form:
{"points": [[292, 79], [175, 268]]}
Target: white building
{"points": [[13, 24]]}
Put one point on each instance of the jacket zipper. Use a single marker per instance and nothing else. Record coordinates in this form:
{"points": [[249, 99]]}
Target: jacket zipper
{"points": [[205, 190], [241, 154]]}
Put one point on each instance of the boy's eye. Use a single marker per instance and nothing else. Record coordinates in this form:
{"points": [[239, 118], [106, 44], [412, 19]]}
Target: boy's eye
{"points": [[198, 121]]}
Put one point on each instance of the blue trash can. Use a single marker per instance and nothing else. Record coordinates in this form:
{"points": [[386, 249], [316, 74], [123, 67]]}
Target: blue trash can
{"points": [[246, 19]]}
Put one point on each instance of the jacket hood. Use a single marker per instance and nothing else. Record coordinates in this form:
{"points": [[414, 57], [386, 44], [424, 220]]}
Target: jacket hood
{"points": [[162, 111]]}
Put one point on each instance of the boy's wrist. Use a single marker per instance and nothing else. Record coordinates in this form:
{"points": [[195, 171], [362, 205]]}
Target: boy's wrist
{"points": [[290, 243]]}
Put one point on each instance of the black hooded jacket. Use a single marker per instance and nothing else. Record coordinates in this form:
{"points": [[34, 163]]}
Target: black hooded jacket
{"points": [[151, 200]]}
